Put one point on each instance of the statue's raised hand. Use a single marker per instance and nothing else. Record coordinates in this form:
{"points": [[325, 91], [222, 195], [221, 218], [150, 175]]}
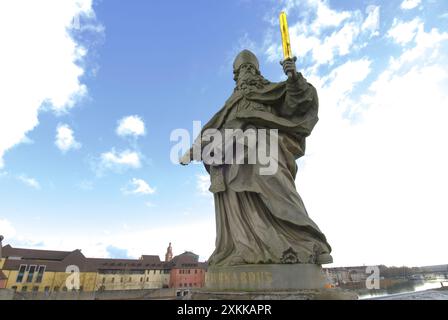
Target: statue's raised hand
{"points": [[289, 67]]}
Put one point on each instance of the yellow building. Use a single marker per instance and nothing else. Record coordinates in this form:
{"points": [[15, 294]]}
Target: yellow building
{"points": [[148, 272], [48, 271], [30, 270]]}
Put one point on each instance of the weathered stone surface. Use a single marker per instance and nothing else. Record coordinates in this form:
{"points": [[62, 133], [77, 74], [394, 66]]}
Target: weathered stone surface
{"points": [[321, 294], [268, 277]]}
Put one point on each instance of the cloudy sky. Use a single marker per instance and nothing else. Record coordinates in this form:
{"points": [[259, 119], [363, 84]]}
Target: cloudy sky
{"points": [[90, 92]]}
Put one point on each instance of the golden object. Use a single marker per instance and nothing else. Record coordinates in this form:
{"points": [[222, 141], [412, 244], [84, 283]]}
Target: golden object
{"points": [[287, 54]]}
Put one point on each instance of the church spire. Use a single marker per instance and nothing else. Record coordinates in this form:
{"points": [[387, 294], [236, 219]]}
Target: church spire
{"points": [[169, 253]]}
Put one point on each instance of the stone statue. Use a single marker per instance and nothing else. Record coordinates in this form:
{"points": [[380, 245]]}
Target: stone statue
{"points": [[261, 219]]}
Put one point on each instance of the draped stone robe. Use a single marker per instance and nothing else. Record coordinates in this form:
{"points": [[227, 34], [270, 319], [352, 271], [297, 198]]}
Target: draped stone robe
{"points": [[261, 218]]}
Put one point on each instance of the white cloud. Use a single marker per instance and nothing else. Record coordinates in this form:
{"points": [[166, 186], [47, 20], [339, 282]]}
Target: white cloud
{"points": [[376, 186], [344, 78], [372, 22], [425, 51], [203, 184], [324, 34], [65, 139], [197, 236], [404, 32], [6, 229], [31, 182], [325, 16], [138, 186], [410, 4], [131, 126], [119, 161], [39, 64]]}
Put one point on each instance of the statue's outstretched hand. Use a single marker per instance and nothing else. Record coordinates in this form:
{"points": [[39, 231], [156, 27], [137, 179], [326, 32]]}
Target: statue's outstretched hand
{"points": [[186, 158], [289, 67]]}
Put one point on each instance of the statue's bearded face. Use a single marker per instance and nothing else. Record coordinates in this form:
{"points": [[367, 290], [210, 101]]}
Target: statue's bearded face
{"points": [[248, 68], [248, 77]]}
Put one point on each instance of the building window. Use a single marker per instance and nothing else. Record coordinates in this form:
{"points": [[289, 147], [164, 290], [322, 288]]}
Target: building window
{"points": [[113, 280], [147, 279], [56, 289], [40, 274], [190, 284], [31, 271], [24, 288], [35, 288], [130, 279], [196, 271], [154, 271], [141, 279], [104, 280], [121, 280], [47, 289], [21, 273], [14, 288]]}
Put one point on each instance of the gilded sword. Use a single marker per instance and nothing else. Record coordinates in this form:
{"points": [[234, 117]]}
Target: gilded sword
{"points": [[287, 54]]}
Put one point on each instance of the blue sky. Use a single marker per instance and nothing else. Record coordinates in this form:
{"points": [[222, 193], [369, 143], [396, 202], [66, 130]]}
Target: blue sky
{"points": [[374, 168]]}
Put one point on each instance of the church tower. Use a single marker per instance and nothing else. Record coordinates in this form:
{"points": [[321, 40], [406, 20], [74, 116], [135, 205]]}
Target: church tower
{"points": [[169, 253]]}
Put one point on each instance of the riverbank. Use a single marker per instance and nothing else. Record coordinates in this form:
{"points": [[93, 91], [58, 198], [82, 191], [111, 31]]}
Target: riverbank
{"points": [[432, 294]]}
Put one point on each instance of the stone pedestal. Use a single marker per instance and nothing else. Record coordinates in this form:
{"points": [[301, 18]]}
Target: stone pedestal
{"points": [[268, 282], [271, 277]]}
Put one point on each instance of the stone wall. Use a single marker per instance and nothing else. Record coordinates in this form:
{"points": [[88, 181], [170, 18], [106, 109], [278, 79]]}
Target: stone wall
{"points": [[98, 295], [6, 294]]}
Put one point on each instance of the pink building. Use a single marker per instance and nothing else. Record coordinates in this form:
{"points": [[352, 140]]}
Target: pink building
{"points": [[186, 271]]}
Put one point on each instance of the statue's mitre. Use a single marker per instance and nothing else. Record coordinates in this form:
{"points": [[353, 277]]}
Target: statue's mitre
{"points": [[245, 56]]}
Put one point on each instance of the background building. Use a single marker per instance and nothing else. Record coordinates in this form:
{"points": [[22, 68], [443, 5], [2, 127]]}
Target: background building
{"points": [[30, 270], [186, 271]]}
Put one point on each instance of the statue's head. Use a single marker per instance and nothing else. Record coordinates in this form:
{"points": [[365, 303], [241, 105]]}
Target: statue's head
{"points": [[243, 58], [246, 70]]}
